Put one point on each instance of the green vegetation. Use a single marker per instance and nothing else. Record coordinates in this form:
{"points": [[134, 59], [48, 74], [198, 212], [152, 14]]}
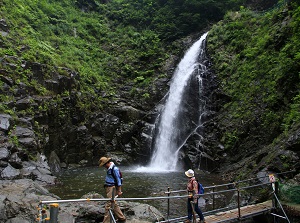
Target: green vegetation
{"points": [[57, 33], [256, 56], [104, 42], [290, 193]]}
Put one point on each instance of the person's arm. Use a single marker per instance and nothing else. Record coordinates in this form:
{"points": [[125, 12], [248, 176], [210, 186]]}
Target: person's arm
{"points": [[195, 190], [119, 190], [119, 182]]}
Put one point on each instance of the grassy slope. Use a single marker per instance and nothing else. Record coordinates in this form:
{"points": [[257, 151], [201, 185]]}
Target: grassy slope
{"points": [[256, 57], [58, 33]]}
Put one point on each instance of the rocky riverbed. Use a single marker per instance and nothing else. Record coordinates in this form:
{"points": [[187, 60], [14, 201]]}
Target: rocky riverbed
{"points": [[20, 198], [19, 201]]}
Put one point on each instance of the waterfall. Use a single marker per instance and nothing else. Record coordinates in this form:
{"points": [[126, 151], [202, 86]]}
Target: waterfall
{"points": [[169, 137]]}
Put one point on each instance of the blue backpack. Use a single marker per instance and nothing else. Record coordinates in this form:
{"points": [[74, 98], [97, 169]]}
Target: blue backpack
{"points": [[115, 177], [200, 188]]}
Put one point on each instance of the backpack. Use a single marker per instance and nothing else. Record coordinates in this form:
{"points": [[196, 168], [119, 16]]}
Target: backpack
{"points": [[115, 178], [200, 188]]}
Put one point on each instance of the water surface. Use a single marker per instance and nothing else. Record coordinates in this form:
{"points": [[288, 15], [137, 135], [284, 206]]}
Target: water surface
{"points": [[77, 182]]}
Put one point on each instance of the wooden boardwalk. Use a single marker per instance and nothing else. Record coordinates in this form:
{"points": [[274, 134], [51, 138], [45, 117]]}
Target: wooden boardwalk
{"points": [[245, 212]]}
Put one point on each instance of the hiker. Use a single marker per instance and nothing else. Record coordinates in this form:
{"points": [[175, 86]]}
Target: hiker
{"points": [[192, 188], [113, 183]]}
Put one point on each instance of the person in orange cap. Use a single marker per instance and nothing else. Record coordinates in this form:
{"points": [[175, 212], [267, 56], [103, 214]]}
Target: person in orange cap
{"points": [[113, 183]]}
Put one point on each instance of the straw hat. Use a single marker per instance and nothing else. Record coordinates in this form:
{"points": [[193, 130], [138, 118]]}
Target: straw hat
{"points": [[103, 160], [189, 173]]}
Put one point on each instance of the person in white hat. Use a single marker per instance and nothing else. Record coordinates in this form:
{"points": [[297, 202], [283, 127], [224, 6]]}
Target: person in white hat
{"points": [[113, 182], [192, 188]]}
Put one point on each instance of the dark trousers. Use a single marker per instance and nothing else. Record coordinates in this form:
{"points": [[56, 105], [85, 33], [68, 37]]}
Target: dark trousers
{"points": [[196, 208]]}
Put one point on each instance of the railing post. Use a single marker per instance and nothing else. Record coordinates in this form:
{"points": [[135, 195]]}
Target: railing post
{"points": [[39, 218], [275, 202], [54, 213], [238, 201], [274, 186], [44, 216], [112, 218], [112, 205], [168, 213], [276, 192], [214, 197]]}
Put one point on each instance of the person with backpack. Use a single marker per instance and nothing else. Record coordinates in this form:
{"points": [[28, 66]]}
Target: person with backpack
{"points": [[193, 188], [113, 184]]}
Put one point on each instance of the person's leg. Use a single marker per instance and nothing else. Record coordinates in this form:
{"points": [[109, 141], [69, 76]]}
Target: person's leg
{"points": [[189, 209], [198, 211], [118, 213], [109, 191]]}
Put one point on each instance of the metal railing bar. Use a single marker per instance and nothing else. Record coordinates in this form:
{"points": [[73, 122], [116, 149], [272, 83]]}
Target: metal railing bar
{"points": [[235, 189], [173, 219], [145, 198], [230, 190], [151, 198], [75, 200], [116, 199], [112, 218], [236, 182], [256, 185], [216, 210], [218, 192], [281, 207], [276, 215], [291, 171], [223, 191], [174, 191], [215, 186]]}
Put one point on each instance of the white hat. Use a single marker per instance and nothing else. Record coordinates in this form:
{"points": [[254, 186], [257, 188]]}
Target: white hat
{"points": [[189, 173]]}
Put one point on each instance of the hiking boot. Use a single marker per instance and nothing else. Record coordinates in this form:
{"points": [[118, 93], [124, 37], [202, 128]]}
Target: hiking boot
{"points": [[121, 220], [187, 221]]}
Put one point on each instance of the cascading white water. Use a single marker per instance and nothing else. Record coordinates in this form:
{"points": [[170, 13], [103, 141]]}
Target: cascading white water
{"points": [[166, 144]]}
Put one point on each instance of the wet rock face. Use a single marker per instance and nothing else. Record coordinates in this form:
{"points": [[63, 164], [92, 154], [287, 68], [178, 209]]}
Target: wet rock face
{"points": [[18, 141], [39, 171]]}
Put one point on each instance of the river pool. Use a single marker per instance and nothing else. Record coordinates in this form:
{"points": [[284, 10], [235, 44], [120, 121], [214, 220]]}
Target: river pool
{"points": [[75, 183]]}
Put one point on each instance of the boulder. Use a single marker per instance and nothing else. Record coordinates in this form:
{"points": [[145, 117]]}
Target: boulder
{"points": [[3, 25], [4, 153], [19, 200], [10, 173], [5, 121]]}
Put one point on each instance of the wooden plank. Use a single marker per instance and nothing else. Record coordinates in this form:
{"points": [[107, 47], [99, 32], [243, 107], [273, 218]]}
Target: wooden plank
{"points": [[246, 212]]}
